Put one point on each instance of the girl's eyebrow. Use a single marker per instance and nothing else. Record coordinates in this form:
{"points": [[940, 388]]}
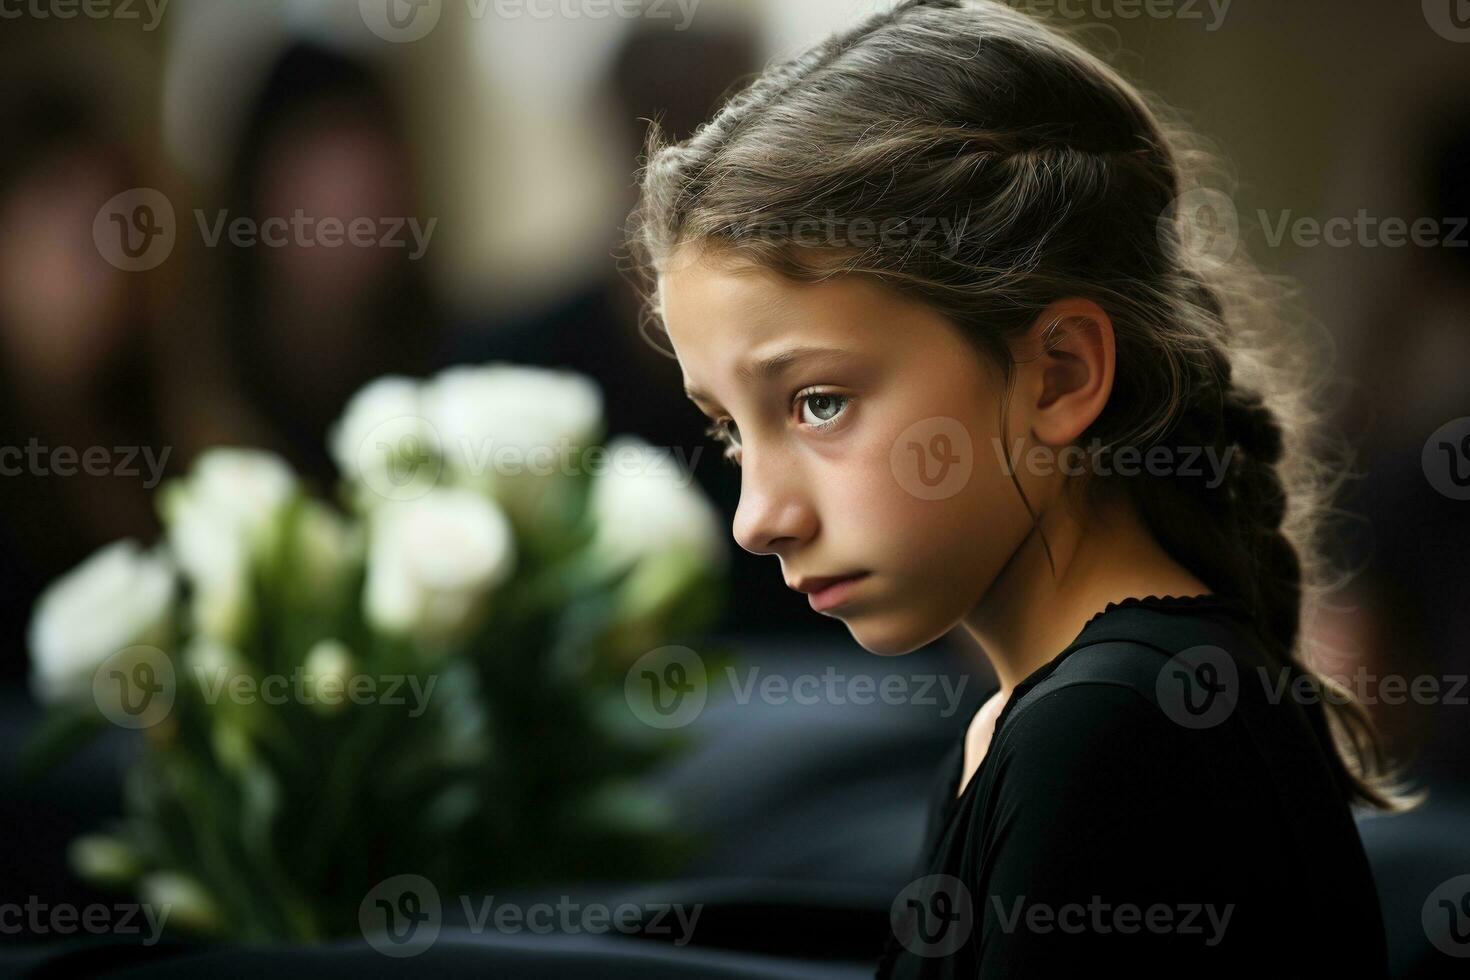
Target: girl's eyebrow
{"points": [[771, 367]]}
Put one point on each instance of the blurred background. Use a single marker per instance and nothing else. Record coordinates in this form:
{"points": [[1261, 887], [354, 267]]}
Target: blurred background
{"points": [[506, 137]]}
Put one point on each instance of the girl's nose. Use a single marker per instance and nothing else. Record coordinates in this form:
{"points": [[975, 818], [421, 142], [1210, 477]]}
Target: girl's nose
{"points": [[775, 513]]}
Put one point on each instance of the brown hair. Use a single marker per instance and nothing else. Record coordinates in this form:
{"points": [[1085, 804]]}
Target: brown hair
{"points": [[1051, 176]]}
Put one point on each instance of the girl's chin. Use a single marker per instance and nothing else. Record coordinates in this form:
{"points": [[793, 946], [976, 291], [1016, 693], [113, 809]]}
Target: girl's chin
{"points": [[880, 627], [886, 638]]}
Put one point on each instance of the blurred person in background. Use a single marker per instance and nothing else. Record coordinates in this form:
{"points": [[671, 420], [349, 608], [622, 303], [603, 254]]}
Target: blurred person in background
{"points": [[92, 418], [80, 361], [304, 325], [678, 77], [1408, 613]]}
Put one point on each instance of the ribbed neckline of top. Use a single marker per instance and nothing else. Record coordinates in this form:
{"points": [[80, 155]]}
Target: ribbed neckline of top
{"points": [[1207, 600]]}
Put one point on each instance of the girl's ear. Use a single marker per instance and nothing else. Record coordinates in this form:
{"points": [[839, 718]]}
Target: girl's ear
{"points": [[1064, 370]]}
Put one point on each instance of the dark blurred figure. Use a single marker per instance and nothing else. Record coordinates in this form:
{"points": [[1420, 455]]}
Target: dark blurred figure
{"points": [[79, 358], [306, 324], [82, 369], [679, 78], [1412, 601]]}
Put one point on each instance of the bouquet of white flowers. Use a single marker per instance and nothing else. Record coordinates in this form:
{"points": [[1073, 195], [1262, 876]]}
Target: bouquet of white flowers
{"points": [[430, 680]]}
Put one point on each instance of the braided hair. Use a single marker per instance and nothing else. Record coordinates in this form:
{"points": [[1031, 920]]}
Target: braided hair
{"points": [[1054, 177]]}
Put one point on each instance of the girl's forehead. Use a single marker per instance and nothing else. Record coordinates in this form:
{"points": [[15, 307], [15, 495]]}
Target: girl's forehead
{"points": [[759, 294]]}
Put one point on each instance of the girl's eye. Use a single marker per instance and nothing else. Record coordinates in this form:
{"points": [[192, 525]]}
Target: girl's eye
{"points": [[823, 406]]}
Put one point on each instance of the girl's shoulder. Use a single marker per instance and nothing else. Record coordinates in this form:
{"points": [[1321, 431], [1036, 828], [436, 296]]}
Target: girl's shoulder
{"points": [[1164, 706], [1187, 656], [1149, 682]]}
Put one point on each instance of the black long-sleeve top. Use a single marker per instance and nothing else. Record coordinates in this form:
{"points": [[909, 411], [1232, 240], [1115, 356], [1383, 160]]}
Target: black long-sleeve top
{"points": [[1152, 803]]}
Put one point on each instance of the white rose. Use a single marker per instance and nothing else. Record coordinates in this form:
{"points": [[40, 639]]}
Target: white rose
{"points": [[384, 444], [433, 562], [250, 486], [645, 504], [222, 517], [227, 509], [511, 429], [118, 598]]}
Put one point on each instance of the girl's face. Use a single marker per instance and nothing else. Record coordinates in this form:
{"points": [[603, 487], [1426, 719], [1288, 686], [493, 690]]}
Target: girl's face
{"points": [[867, 431]]}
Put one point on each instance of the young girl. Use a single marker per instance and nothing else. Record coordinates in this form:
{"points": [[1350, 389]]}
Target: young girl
{"points": [[932, 281]]}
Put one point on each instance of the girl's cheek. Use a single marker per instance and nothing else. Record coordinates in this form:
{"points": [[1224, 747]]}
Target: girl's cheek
{"points": [[884, 511]]}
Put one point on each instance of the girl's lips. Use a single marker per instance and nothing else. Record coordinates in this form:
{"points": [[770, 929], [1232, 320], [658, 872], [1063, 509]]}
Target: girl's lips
{"points": [[835, 593]]}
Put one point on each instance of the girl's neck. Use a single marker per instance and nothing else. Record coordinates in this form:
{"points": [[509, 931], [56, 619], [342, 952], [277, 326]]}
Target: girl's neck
{"points": [[1102, 554]]}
